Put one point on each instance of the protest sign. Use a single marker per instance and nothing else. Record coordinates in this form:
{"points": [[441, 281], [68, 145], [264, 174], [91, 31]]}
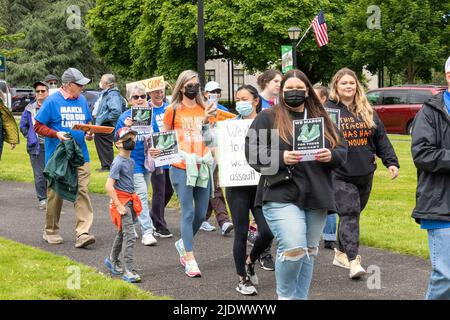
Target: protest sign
{"points": [[233, 167], [308, 135], [152, 84], [335, 115], [142, 117], [168, 144]]}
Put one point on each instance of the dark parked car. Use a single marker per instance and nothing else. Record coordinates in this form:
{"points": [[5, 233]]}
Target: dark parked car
{"points": [[397, 106], [21, 97]]}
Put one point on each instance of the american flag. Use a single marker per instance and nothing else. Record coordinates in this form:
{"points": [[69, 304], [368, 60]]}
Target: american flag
{"points": [[320, 29]]}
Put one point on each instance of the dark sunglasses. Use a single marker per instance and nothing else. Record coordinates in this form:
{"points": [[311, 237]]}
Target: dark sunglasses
{"points": [[137, 97], [53, 82], [78, 85], [217, 91], [193, 85], [41, 91]]}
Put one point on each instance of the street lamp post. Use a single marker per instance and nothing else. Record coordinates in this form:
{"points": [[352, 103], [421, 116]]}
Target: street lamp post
{"points": [[201, 43], [294, 34]]}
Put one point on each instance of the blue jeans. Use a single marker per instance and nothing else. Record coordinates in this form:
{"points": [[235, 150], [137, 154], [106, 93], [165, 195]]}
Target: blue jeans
{"points": [[439, 284], [193, 202], [329, 231], [297, 232], [141, 184]]}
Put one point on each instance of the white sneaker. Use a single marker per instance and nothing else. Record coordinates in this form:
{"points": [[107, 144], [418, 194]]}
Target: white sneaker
{"points": [[148, 239], [226, 228], [43, 204], [340, 259], [206, 226], [356, 270], [246, 287]]}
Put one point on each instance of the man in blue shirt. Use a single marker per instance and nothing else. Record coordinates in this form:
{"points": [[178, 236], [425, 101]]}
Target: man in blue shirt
{"points": [[58, 114], [431, 154]]}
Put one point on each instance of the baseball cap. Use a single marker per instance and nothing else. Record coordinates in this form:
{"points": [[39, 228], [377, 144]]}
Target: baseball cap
{"points": [[447, 65], [51, 77], [74, 75], [211, 86], [122, 132], [40, 83]]}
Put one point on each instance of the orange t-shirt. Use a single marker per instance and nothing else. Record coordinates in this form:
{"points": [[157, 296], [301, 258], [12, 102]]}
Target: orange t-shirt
{"points": [[188, 125]]}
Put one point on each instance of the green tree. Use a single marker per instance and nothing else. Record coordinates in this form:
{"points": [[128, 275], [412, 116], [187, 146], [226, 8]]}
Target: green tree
{"points": [[8, 43], [51, 43], [148, 37], [413, 37]]}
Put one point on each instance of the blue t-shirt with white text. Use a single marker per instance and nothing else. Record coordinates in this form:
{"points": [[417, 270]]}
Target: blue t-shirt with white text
{"points": [[60, 114]]}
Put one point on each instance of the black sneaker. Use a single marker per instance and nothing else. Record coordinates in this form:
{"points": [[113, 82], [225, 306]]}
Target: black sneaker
{"points": [[250, 271], [163, 233], [329, 244], [267, 263], [246, 287]]}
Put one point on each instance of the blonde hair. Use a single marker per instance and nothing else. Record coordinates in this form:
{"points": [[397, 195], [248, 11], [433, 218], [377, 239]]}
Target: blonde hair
{"points": [[360, 105], [177, 95]]}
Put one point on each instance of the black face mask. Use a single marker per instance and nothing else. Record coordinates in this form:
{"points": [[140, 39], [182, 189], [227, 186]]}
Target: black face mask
{"points": [[294, 98], [129, 144], [191, 91]]}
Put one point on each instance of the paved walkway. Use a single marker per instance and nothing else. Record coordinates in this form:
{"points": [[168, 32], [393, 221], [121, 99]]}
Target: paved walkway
{"points": [[401, 277]]}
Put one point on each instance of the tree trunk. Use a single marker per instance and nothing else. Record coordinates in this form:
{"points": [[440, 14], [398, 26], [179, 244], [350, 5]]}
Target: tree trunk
{"points": [[411, 71]]}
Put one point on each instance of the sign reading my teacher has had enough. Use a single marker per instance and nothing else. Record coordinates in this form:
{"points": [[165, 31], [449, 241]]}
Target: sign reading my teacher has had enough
{"points": [[234, 169]]}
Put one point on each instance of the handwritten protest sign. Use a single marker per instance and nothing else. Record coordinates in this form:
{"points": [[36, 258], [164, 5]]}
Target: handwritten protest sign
{"points": [[233, 167]]}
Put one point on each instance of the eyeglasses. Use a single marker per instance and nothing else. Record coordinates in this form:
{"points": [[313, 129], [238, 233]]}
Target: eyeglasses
{"points": [[137, 97], [217, 91], [78, 85], [193, 85], [51, 83], [41, 91]]}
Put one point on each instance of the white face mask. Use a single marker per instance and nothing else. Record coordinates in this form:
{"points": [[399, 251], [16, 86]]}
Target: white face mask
{"points": [[52, 86], [244, 108]]}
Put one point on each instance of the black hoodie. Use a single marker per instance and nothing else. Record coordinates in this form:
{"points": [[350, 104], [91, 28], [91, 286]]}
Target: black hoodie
{"points": [[312, 184], [430, 149], [363, 144]]}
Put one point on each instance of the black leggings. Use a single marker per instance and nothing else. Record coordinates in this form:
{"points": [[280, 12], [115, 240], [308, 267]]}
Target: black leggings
{"points": [[352, 195], [241, 200]]}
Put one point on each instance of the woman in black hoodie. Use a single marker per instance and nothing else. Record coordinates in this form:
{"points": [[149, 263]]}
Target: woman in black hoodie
{"points": [[366, 138], [295, 196]]}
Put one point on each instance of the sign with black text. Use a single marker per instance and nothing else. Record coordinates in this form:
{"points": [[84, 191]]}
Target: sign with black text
{"points": [[234, 169], [167, 142], [335, 115], [308, 135], [142, 117]]}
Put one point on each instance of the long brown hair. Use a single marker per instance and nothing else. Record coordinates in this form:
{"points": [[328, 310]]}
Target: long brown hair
{"points": [[360, 106], [283, 119]]}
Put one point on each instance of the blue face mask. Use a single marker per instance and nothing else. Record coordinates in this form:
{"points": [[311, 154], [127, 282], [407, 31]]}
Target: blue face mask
{"points": [[245, 108]]}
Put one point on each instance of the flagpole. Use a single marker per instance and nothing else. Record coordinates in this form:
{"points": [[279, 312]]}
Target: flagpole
{"points": [[307, 30]]}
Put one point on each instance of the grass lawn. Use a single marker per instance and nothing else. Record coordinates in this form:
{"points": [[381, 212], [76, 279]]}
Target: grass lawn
{"points": [[29, 273], [385, 223]]}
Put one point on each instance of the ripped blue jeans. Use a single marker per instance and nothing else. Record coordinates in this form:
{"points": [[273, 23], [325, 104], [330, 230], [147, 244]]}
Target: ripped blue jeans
{"points": [[297, 232]]}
